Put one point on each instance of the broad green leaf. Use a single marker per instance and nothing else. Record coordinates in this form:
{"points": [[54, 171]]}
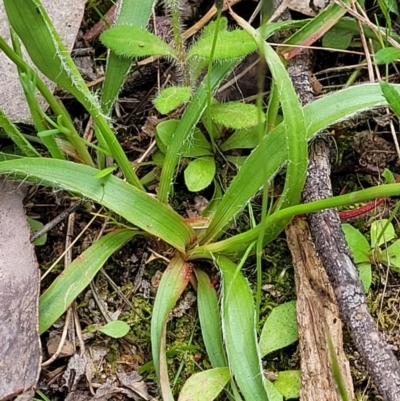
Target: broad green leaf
{"points": [[288, 383], [387, 55], [381, 232], [235, 115], [365, 275], [392, 256], [280, 328], [242, 139], [230, 45], [36, 226], [77, 276], [170, 98], [115, 329], [196, 146], [172, 284], [124, 199], [337, 39], [187, 124], [210, 322], [317, 115], [238, 327], [358, 244], [135, 13], [205, 385], [131, 41], [392, 96], [199, 173]]}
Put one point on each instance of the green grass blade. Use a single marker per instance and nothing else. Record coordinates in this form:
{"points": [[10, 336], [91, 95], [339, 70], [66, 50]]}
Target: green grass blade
{"points": [[172, 284], [49, 54], [238, 323], [115, 194], [187, 125], [314, 29], [77, 276], [16, 136], [133, 13], [55, 105], [210, 322], [337, 374], [28, 84], [318, 115]]}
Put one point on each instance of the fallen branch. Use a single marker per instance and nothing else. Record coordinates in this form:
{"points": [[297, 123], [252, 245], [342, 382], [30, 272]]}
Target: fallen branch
{"points": [[325, 227]]}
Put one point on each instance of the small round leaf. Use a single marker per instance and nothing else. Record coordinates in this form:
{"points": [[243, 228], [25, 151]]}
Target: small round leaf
{"points": [[280, 328], [199, 174], [337, 39], [387, 55], [115, 329], [236, 115]]}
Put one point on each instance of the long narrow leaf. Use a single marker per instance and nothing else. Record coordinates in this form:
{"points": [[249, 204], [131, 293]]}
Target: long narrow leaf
{"points": [[210, 322], [77, 276], [45, 47], [313, 30], [318, 115], [273, 223], [16, 136], [129, 202], [295, 128], [238, 323], [172, 284]]}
